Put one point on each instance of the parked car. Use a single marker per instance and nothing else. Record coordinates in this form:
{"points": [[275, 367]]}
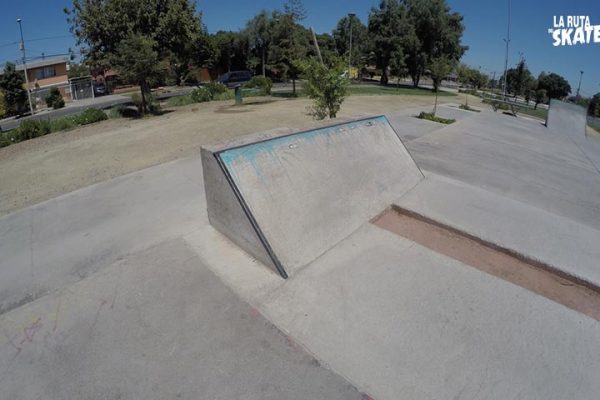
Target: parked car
{"points": [[100, 89], [234, 78]]}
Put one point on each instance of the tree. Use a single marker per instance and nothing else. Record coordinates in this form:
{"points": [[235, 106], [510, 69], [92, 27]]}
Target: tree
{"points": [[137, 62], [15, 95], [173, 26], [434, 32], [78, 70], [555, 85], [232, 51], [295, 9], [360, 40], [2, 105], [519, 79], [540, 96], [290, 43], [258, 31], [594, 106], [325, 84], [388, 27], [439, 68]]}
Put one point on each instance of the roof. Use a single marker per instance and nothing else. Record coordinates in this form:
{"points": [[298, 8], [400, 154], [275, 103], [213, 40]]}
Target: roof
{"points": [[41, 63]]}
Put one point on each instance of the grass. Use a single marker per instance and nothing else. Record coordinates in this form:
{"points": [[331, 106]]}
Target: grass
{"points": [[468, 108], [539, 112], [594, 127], [434, 118], [377, 90]]}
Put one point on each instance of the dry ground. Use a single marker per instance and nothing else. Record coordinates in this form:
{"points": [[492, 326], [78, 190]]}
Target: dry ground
{"points": [[46, 167]]}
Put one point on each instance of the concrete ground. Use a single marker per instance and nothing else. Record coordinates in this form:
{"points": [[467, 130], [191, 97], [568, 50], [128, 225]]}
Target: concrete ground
{"points": [[123, 290]]}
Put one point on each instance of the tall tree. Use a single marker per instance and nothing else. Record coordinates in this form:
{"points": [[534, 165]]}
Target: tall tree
{"points": [[436, 32], [360, 39], [295, 9], [258, 31], [291, 42], [555, 85], [388, 27], [439, 68], [137, 62], [232, 50], [519, 79], [100, 26], [15, 95]]}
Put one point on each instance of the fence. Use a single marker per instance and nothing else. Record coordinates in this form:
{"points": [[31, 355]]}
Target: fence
{"points": [[74, 90]]}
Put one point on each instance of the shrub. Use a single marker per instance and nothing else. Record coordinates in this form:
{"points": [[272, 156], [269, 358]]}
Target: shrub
{"points": [[432, 117], [2, 105], [327, 86], [201, 95], [260, 82], [215, 88], [179, 101], [30, 129], [10, 137], [62, 124], [90, 116], [228, 95], [467, 108], [55, 99]]}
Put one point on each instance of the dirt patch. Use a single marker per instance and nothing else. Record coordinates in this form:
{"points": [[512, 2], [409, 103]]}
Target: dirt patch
{"points": [[533, 276], [46, 167]]}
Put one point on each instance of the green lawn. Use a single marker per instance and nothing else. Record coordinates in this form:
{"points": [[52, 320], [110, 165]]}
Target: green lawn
{"points": [[540, 113]]}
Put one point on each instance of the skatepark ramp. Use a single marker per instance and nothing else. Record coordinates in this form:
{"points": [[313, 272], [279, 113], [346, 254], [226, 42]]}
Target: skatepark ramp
{"points": [[286, 199], [566, 118]]}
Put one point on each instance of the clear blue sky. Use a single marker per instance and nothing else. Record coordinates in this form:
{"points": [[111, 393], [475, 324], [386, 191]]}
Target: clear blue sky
{"points": [[485, 23]]}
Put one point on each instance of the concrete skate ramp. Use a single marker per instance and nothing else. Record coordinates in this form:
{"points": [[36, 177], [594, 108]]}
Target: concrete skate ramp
{"points": [[566, 118], [287, 199]]}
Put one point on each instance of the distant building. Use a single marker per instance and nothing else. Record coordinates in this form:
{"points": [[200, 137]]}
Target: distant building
{"points": [[49, 72]]}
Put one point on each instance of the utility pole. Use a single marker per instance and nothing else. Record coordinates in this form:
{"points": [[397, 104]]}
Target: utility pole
{"points": [[350, 16], [22, 45], [507, 40], [579, 86]]}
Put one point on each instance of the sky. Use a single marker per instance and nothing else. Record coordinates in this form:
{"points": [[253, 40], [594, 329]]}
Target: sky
{"points": [[46, 31]]}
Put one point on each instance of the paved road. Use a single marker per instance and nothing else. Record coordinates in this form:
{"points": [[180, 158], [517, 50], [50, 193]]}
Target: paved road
{"points": [[75, 107]]}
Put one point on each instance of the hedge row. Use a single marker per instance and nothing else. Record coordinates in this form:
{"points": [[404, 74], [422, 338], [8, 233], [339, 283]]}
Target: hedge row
{"points": [[30, 129]]}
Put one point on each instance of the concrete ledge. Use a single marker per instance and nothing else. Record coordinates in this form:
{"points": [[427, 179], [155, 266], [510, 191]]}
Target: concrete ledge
{"points": [[558, 242]]}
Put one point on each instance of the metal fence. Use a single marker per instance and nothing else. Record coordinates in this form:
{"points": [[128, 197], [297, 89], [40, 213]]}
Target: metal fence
{"points": [[74, 90]]}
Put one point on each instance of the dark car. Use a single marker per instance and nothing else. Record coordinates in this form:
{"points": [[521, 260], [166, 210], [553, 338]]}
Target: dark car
{"points": [[234, 78], [99, 89]]}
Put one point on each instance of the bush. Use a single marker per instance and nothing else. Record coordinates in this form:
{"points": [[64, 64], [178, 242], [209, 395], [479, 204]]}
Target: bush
{"points": [[467, 108], [2, 105], [89, 116], [260, 82], [228, 95], [55, 99], [62, 124], [30, 129], [179, 101], [432, 117], [201, 95], [327, 86], [215, 88]]}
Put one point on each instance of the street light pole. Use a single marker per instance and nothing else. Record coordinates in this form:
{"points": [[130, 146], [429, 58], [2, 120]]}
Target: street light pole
{"points": [[507, 40], [579, 86], [350, 16], [22, 45]]}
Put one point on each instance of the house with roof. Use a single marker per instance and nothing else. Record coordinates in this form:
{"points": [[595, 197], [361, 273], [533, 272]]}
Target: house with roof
{"points": [[48, 72]]}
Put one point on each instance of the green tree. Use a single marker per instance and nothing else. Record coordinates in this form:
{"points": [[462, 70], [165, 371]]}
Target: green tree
{"points": [[555, 85], [78, 70], [594, 106], [325, 84], [519, 79], [439, 68], [434, 32], [360, 40], [137, 62], [258, 31], [540, 96], [173, 26], [232, 51], [388, 28], [15, 95], [2, 105], [290, 43]]}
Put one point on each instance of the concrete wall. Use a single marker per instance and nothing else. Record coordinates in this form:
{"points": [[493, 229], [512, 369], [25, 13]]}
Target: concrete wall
{"points": [[306, 191]]}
